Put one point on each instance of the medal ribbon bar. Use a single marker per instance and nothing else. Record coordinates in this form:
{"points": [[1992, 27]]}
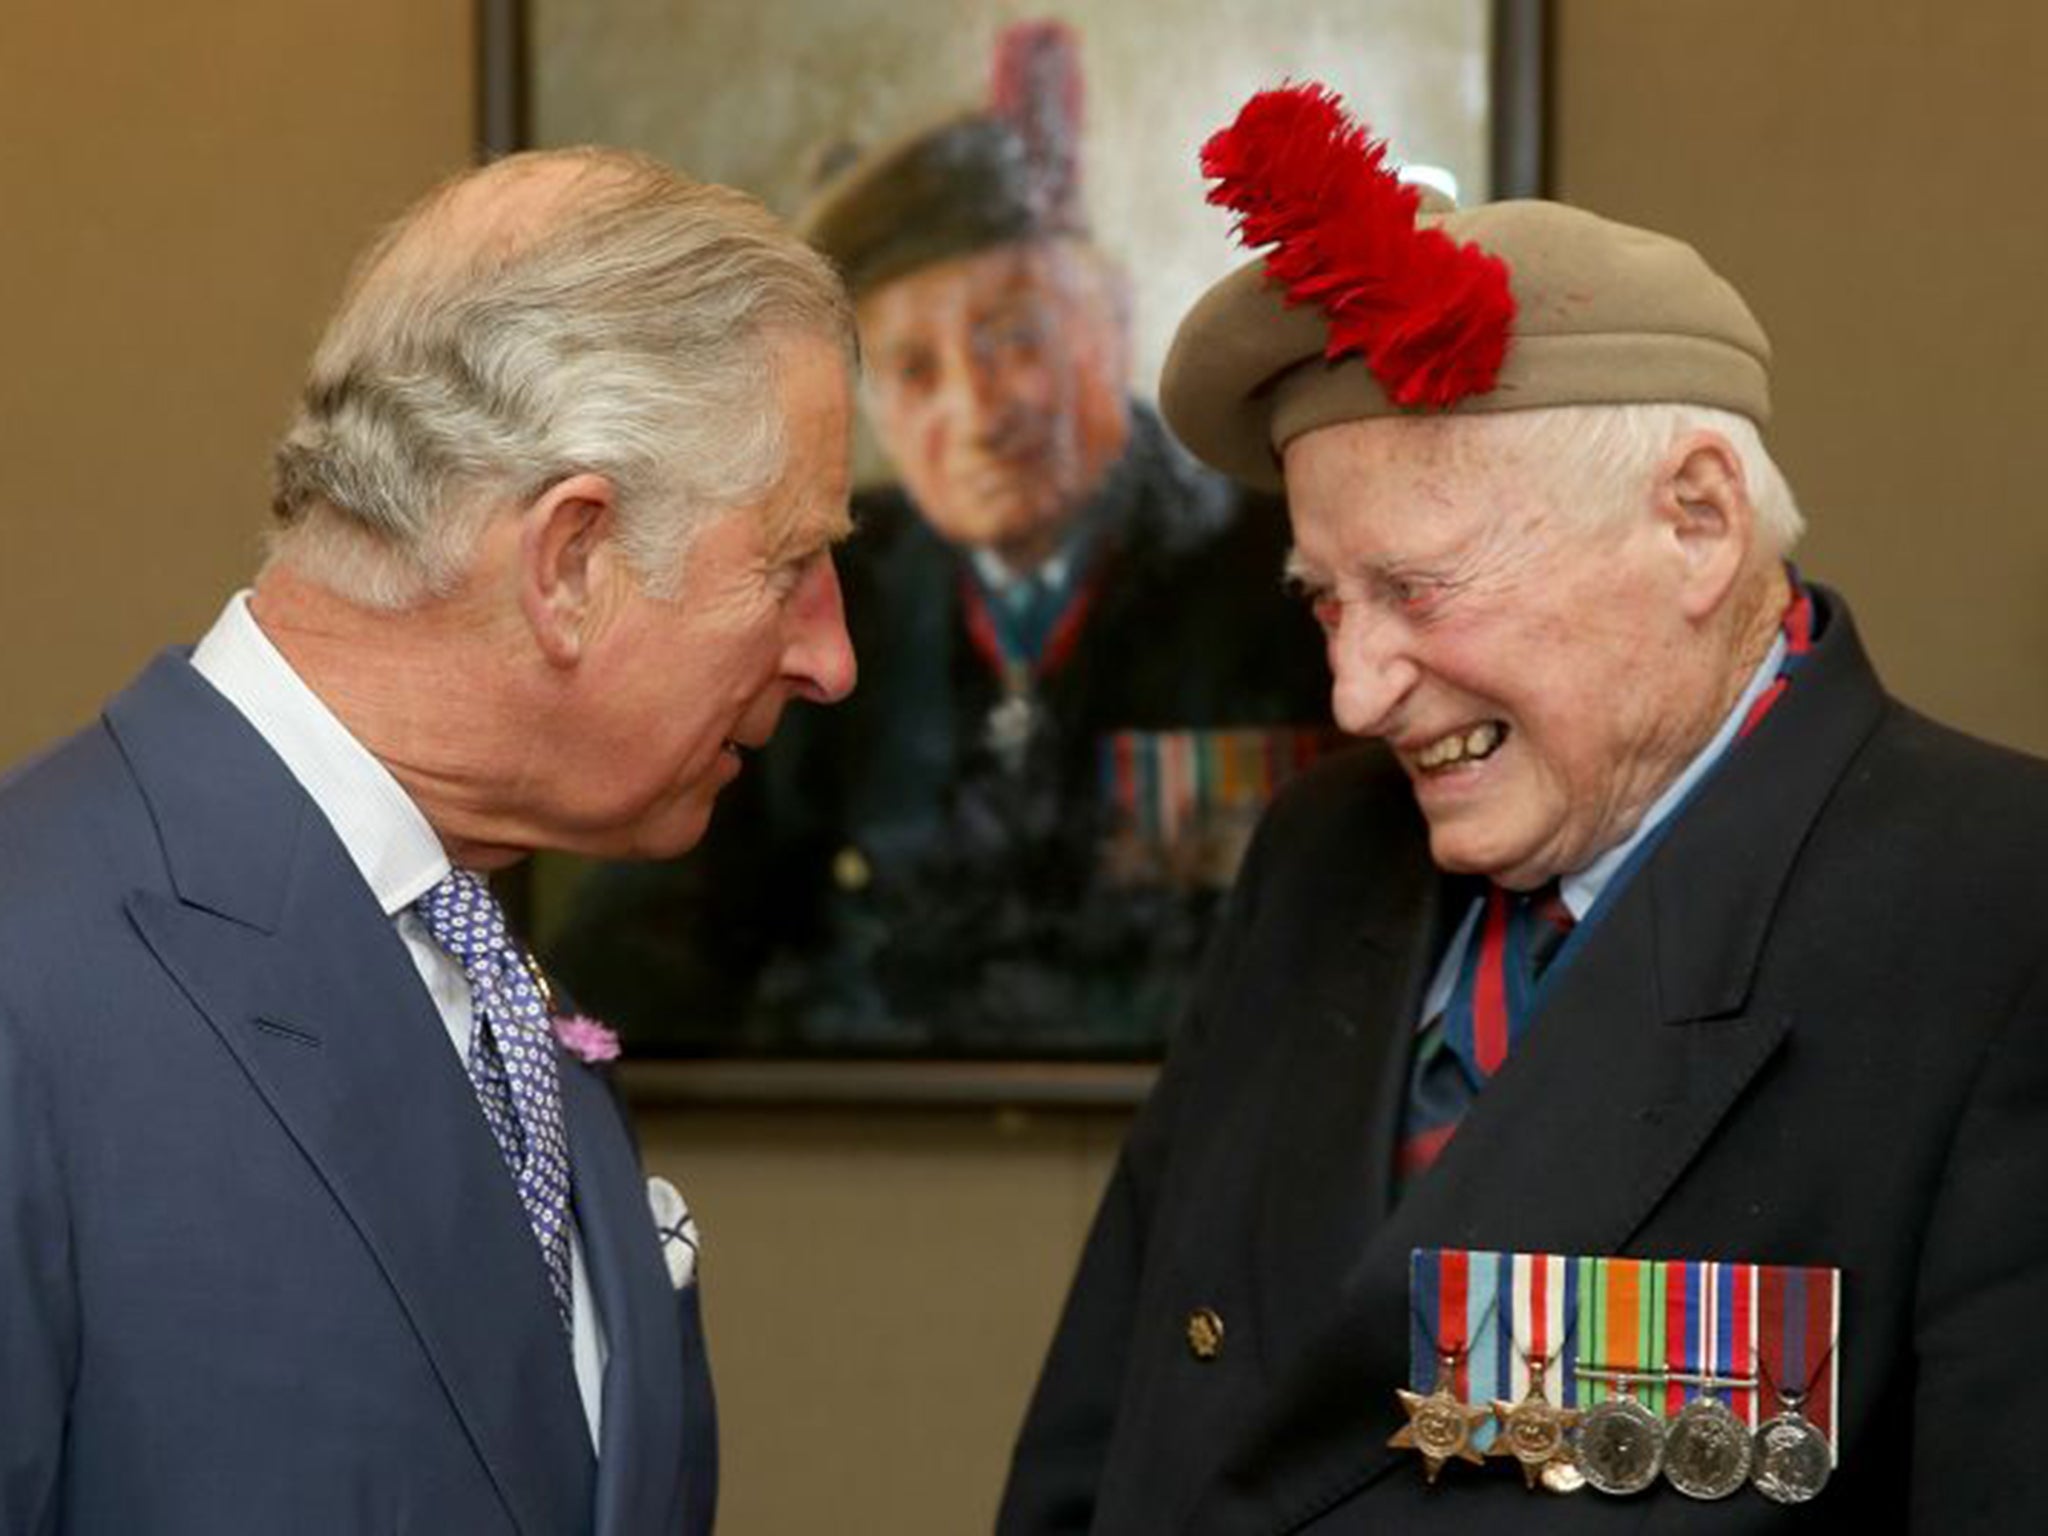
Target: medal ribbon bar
{"points": [[1660, 1331]]}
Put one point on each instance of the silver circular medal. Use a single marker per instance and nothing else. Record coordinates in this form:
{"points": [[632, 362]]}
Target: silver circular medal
{"points": [[1707, 1450], [1620, 1446], [1792, 1459]]}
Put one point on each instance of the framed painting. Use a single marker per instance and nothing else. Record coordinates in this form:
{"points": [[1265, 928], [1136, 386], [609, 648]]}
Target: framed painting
{"points": [[993, 867]]}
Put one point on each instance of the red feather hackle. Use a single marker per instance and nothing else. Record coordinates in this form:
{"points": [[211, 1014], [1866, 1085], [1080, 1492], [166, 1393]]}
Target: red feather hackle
{"points": [[1429, 316]]}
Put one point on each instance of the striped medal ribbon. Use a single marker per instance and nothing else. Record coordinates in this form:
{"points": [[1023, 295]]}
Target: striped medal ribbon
{"points": [[1454, 1305]]}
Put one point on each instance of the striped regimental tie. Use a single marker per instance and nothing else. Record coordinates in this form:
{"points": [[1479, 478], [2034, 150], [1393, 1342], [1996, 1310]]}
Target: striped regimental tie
{"points": [[1463, 1046]]}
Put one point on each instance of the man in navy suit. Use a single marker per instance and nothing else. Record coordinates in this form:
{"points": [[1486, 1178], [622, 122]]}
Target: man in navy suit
{"points": [[306, 1221]]}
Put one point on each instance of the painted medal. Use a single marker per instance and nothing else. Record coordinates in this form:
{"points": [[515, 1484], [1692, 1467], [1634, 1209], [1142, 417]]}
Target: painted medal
{"points": [[1013, 722]]}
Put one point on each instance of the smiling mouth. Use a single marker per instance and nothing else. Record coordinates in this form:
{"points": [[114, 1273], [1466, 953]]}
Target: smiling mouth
{"points": [[1473, 744]]}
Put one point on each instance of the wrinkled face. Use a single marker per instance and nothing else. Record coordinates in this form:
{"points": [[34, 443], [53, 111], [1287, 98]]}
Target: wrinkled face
{"points": [[1532, 670], [996, 385], [678, 688]]}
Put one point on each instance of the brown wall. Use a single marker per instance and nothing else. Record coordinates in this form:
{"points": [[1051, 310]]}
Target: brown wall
{"points": [[1866, 174], [179, 188]]}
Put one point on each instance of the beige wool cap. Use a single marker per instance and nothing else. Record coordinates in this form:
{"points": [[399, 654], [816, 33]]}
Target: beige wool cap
{"points": [[1605, 314]]}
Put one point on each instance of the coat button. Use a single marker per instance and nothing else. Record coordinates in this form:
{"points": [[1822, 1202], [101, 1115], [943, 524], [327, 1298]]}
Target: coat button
{"points": [[1205, 1333], [850, 871]]}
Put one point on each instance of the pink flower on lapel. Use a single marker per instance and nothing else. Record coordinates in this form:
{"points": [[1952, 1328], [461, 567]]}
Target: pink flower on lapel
{"points": [[586, 1039]]}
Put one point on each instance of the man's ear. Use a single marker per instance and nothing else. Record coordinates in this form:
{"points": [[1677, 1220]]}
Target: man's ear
{"points": [[1703, 500], [562, 534]]}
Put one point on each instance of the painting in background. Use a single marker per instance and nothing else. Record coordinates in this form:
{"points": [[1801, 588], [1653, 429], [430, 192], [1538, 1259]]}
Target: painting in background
{"points": [[1081, 679]]}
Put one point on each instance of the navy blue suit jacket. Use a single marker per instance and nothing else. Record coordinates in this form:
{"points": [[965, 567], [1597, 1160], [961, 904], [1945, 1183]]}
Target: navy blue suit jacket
{"points": [[261, 1268]]}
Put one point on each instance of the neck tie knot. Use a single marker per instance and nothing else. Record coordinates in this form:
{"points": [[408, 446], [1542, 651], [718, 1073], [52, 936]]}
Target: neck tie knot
{"points": [[465, 919], [1516, 938]]}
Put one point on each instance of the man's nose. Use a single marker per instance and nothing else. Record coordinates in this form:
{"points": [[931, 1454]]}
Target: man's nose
{"points": [[819, 659], [976, 397], [1371, 674]]}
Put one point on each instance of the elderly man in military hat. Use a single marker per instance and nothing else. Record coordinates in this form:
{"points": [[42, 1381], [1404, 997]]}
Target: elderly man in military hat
{"points": [[1081, 673], [1618, 1096]]}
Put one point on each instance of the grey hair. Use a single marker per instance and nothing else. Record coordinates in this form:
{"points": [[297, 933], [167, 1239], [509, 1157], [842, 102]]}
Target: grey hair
{"points": [[1619, 446], [611, 316]]}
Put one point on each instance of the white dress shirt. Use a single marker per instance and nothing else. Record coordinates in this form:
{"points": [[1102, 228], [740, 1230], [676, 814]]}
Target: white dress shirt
{"points": [[398, 854]]}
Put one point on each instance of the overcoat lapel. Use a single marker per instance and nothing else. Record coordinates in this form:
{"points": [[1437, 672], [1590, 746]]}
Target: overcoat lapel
{"points": [[1327, 1172], [276, 940], [1642, 1046]]}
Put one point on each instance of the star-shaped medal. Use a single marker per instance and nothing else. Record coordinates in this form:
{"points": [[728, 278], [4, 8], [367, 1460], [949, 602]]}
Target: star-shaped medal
{"points": [[1440, 1423], [1533, 1430]]}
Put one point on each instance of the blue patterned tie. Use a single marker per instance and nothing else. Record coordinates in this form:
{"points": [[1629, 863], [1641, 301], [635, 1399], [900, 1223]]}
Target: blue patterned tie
{"points": [[511, 1060]]}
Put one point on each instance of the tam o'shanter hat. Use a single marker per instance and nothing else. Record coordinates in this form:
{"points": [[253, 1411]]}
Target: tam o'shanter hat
{"points": [[1369, 305], [1003, 172]]}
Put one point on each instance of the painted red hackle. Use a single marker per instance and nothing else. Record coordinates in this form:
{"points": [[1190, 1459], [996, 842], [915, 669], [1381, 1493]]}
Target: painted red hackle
{"points": [[1035, 84], [1429, 316]]}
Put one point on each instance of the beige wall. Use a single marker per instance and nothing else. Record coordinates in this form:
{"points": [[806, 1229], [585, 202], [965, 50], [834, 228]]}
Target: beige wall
{"points": [[1867, 175], [179, 186], [879, 1290]]}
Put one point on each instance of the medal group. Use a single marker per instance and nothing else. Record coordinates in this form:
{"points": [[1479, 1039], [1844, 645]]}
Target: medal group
{"points": [[1610, 1373], [1183, 803]]}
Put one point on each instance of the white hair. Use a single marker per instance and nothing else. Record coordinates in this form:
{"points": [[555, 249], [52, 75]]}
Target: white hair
{"points": [[1612, 450], [626, 324]]}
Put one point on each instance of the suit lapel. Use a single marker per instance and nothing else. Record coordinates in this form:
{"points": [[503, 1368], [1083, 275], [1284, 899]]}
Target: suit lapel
{"points": [[279, 944], [643, 1387], [1644, 1044]]}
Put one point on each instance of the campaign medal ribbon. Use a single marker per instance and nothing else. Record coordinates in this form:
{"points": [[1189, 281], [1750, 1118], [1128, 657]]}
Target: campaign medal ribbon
{"points": [[1621, 1319], [1454, 1298], [1799, 1325], [1707, 1448], [1534, 1429]]}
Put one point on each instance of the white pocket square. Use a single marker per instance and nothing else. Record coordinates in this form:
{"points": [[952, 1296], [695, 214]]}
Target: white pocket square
{"points": [[677, 1229]]}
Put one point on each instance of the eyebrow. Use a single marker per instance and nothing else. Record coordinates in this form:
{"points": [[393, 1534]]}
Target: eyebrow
{"points": [[1300, 569], [807, 532]]}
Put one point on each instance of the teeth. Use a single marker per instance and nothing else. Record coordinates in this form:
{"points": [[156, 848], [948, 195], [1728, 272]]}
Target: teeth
{"points": [[1476, 743]]}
